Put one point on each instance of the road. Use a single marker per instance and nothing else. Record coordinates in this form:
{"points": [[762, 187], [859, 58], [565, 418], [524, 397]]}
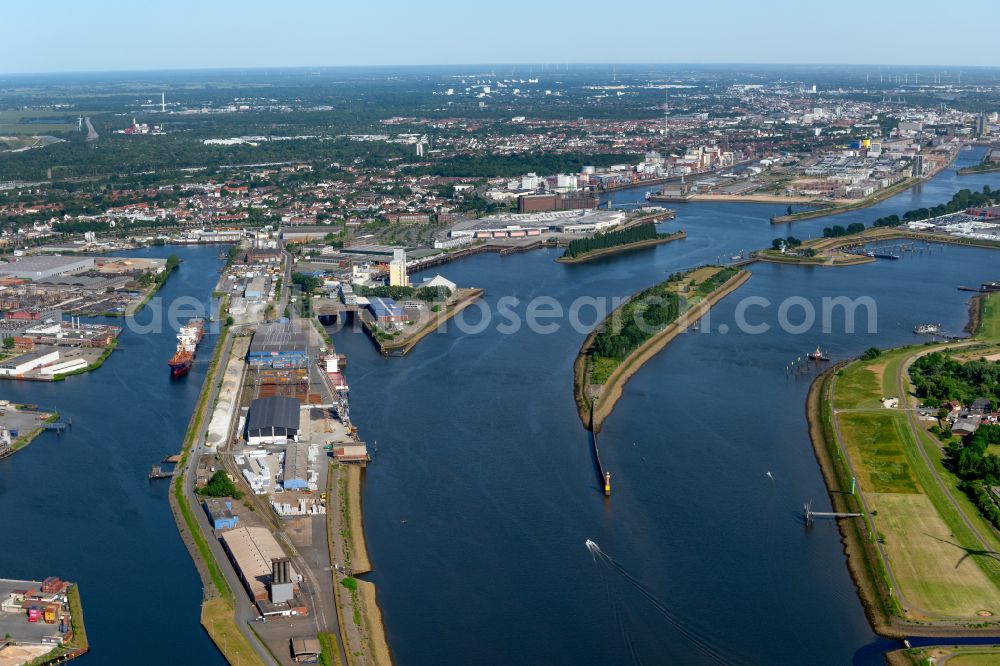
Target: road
{"points": [[920, 433], [245, 611], [91, 132]]}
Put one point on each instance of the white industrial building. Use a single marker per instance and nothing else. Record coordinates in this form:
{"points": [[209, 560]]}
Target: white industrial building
{"points": [[24, 363], [43, 266]]}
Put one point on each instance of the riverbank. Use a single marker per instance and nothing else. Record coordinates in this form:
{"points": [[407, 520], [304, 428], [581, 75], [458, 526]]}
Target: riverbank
{"points": [[837, 209], [218, 614], [609, 392], [407, 340], [360, 619], [827, 251], [982, 167], [870, 578], [618, 249], [18, 418], [137, 305], [759, 198]]}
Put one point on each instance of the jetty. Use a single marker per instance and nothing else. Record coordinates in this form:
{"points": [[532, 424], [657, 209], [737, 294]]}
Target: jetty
{"points": [[158, 473]]}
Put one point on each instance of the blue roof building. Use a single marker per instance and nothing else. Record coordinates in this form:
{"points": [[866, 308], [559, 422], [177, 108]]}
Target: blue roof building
{"points": [[220, 513], [386, 310]]}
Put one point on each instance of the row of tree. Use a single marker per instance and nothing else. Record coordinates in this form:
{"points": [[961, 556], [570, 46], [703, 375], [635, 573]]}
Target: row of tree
{"points": [[836, 231], [636, 234], [790, 241], [398, 292]]}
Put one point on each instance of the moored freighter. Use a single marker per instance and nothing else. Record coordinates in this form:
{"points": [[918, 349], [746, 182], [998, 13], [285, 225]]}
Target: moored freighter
{"points": [[187, 346]]}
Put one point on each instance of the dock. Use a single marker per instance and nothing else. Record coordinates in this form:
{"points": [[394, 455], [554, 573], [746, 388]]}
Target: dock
{"points": [[158, 473], [811, 516]]}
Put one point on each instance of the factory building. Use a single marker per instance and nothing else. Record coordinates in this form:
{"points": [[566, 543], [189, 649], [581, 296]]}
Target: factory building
{"points": [[44, 266], [19, 365], [273, 420], [279, 345], [252, 550], [540, 203]]}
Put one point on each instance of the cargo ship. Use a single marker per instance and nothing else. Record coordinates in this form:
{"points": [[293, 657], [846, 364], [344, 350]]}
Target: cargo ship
{"points": [[187, 345]]}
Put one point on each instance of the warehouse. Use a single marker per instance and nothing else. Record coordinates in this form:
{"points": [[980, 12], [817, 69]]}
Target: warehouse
{"points": [[386, 311], [252, 549], [220, 513], [279, 346], [19, 365], [273, 420], [296, 474], [44, 266]]}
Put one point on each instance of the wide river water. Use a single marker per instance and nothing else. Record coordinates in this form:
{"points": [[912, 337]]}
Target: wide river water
{"points": [[483, 491], [79, 505]]}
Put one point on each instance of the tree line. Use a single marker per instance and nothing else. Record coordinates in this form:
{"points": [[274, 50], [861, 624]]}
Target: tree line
{"points": [[939, 378], [602, 241]]}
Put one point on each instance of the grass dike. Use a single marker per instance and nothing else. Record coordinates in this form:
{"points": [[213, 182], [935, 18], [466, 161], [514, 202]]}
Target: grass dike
{"points": [[863, 563], [611, 390]]}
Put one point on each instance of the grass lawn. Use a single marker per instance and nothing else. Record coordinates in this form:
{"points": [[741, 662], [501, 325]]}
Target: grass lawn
{"points": [[218, 618], [330, 655], [935, 572], [859, 387], [989, 325], [874, 436]]}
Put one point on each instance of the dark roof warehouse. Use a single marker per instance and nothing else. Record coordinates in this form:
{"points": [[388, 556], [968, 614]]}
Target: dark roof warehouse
{"points": [[275, 416]]}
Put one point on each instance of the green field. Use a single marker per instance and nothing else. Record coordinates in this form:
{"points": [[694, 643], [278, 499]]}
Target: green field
{"points": [[938, 576], [13, 122], [989, 324], [876, 436], [858, 387]]}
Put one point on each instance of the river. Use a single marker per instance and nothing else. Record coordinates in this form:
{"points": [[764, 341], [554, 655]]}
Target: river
{"points": [[79, 505], [483, 491], [482, 455]]}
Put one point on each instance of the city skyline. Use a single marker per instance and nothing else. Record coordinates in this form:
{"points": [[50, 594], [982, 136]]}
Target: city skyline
{"points": [[450, 33]]}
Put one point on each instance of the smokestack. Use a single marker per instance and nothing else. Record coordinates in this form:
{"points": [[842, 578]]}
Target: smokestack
{"points": [[163, 102]]}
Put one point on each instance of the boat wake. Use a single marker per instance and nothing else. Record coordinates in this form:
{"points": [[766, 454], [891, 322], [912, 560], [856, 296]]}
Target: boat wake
{"points": [[700, 642]]}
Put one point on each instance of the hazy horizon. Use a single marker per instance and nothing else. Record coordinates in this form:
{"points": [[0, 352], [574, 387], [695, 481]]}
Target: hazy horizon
{"points": [[115, 36]]}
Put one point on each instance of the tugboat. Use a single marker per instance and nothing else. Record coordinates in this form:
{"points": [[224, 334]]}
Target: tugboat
{"points": [[187, 345], [817, 355]]}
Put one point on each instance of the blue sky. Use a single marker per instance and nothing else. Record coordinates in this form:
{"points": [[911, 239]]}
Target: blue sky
{"points": [[63, 36]]}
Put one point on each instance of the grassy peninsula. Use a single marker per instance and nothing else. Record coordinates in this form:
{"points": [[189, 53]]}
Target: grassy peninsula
{"points": [[612, 242], [638, 329]]}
